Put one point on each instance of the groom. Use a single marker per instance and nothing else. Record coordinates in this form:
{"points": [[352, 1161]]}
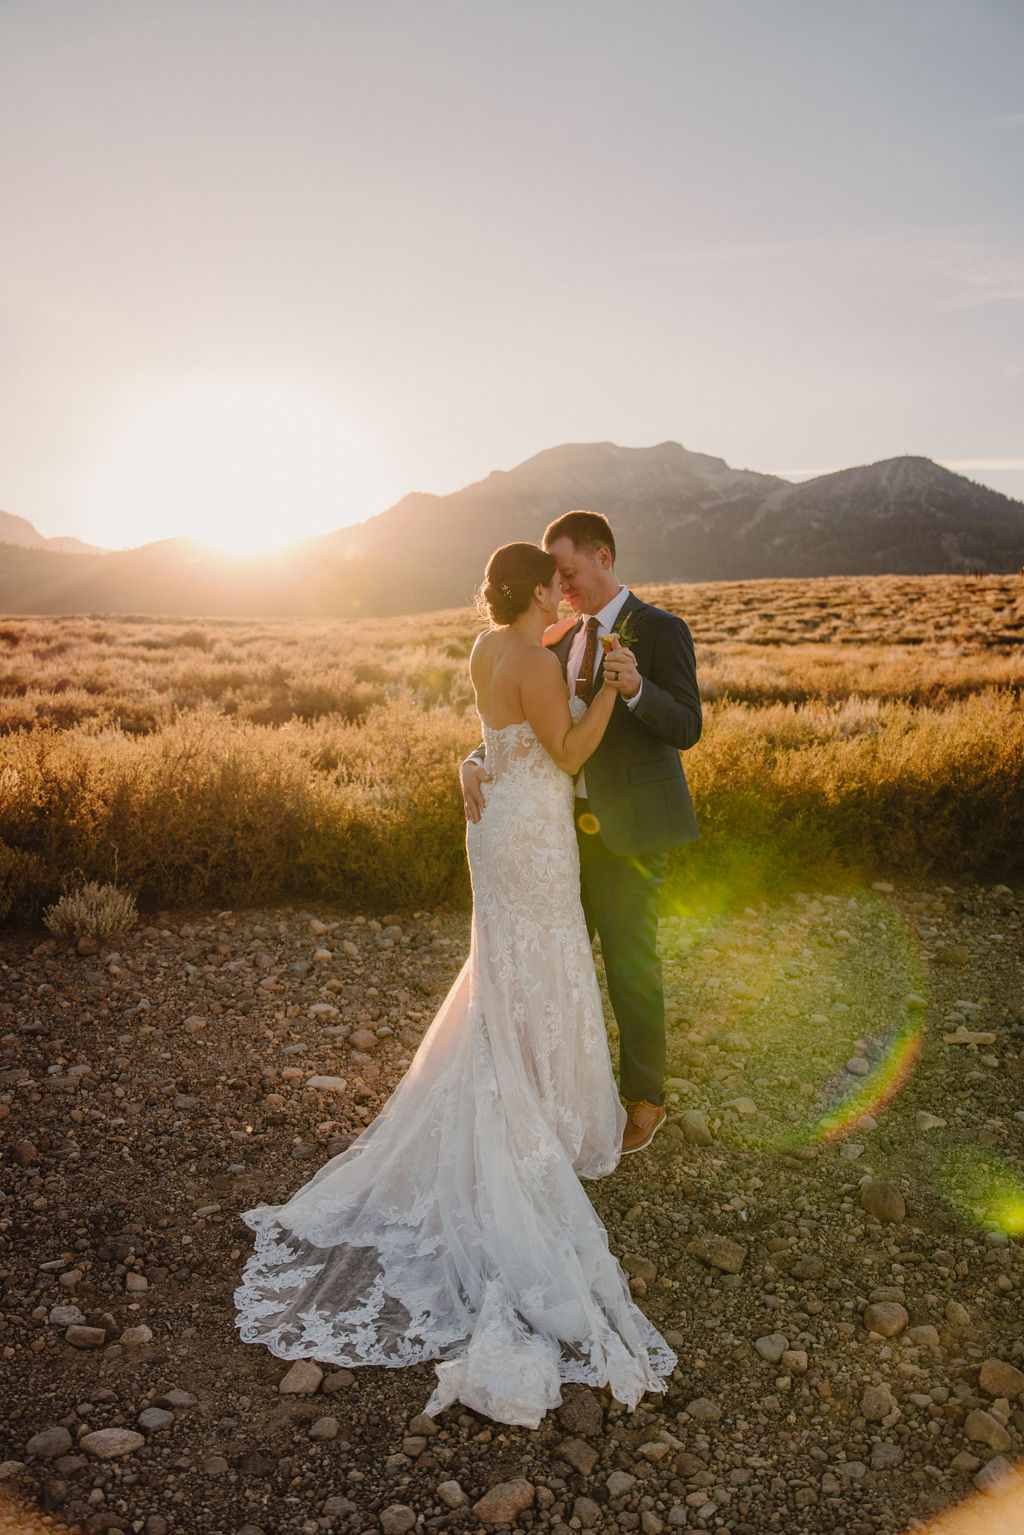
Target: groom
{"points": [[632, 803]]}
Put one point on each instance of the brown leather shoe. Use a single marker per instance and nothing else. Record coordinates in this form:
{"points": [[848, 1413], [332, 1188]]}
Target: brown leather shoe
{"points": [[643, 1121]]}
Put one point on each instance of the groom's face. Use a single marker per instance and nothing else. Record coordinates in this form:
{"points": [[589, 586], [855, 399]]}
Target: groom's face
{"points": [[584, 575]]}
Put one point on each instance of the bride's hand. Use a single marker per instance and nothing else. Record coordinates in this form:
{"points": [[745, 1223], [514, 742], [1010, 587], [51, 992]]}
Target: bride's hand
{"points": [[620, 671]]}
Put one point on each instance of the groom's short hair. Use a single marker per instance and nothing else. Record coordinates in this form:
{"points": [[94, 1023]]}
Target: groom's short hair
{"points": [[588, 531]]}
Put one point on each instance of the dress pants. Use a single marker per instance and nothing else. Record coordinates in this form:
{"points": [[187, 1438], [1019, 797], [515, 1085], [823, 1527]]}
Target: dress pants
{"points": [[621, 897]]}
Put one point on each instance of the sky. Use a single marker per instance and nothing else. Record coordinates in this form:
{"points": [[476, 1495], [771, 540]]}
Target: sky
{"points": [[268, 265]]}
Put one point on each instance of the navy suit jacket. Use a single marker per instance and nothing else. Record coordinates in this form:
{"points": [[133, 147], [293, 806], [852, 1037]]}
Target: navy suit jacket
{"points": [[636, 786]]}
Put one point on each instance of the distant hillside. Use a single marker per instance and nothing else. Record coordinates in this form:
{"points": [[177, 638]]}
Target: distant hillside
{"points": [[678, 516], [18, 530]]}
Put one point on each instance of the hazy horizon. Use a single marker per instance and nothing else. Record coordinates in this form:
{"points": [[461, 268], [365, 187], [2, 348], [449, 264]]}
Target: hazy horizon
{"points": [[264, 263]]}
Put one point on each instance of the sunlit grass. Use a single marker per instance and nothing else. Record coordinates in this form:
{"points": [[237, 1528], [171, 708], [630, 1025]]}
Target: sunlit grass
{"points": [[232, 760]]}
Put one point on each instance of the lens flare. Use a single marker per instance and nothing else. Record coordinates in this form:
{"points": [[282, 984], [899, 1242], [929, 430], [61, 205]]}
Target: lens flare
{"points": [[589, 824], [870, 1094], [984, 1188]]}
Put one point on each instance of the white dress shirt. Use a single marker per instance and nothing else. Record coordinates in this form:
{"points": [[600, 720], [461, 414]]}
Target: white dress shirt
{"points": [[605, 623]]}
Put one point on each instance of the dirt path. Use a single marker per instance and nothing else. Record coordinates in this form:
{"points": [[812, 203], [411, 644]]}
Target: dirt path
{"points": [[147, 1097]]}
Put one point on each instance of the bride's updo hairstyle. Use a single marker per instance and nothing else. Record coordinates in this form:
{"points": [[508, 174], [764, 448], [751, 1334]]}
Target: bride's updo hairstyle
{"points": [[513, 572]]}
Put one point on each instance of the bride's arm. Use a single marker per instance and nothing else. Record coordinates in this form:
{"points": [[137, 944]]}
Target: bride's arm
{"points": [[546, 707]]}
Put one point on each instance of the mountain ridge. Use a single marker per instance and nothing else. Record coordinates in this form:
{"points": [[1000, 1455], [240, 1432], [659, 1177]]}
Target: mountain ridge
{"points": [[678, 516]]}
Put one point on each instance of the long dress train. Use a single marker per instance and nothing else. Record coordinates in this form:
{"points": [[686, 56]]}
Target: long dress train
{"points": [[456, 1229]]}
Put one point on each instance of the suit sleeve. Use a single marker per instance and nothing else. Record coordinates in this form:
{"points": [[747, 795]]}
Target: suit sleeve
{"points": [[669, 701], [477, 754]]}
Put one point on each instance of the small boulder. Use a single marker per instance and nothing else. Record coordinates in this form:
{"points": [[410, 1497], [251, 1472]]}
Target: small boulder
{"points": [[503, 1502], [883, 1200], [1000, 1379], [886, 1317], [303, 1379], [877, 1403], [112, 1443]]}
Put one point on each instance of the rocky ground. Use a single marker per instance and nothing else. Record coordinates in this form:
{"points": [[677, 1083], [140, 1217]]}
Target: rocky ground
{"points": [[837, 1272]]}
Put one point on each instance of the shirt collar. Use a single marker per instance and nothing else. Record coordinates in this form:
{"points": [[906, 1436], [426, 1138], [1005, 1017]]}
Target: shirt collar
{"points": [[611, 610]]}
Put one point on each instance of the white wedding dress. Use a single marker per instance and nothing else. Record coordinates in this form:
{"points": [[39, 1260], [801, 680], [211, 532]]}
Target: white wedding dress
{"points": [[455, 1228]]}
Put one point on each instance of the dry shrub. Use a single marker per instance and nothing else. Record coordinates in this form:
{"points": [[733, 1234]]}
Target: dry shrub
{"points": [[299, 759], [102, 912]]}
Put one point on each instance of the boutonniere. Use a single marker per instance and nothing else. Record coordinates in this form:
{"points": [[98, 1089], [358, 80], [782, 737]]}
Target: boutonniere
{"points": [[625, 629]]}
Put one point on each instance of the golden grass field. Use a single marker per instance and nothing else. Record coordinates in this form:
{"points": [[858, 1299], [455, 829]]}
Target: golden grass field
{"points": [[856, 725]]}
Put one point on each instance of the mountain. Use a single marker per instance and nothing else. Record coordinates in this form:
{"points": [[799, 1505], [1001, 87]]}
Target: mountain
{"points": [[677, 515], [19, 531]]}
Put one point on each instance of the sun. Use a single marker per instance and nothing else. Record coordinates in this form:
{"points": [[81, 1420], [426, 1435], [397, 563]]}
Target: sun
{"points": [[244, 464]]}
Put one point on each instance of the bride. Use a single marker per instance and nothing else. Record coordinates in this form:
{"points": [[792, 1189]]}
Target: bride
{"points": [[455, 1228]]}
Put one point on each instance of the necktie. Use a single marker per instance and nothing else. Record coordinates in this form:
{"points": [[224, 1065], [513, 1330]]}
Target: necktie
{"points": [[585, 680]]}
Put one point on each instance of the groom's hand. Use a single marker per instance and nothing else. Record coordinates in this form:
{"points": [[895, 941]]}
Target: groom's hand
{"points": [[620, 670], [472, 777]]}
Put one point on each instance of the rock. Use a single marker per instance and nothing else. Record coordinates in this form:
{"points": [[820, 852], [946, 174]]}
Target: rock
{"points": [[924, 1336], [886, 1317], [324, 1428], [112, 1443], [134, 1337], [877, 1403], [924, 1122], [136, 1284], [794, 1360], [809, 1267], [215, 1465], [981, 1426], [589, 1513], [957, 1315], [772, 1346], [85, 1337], [25, 1153], [48, 1443], [884, 1456], [362, 1039], [703, 1409], [66, 1316], [502, 1503], [720, 1253], [318, 1084], [303, 1379], [1000, 1379], [86, 945], [338, 1380], [581, 1411], [883, 1200], [337, 1505], [741, 1106], [396, 1519], [957, 954], [638, 1267], [695, 1128], [153, 1419], [998, 1477], [175, 1397], [452, 1495], [858, 1065], [619, 1483], [965, 1036], [580, 1455]]}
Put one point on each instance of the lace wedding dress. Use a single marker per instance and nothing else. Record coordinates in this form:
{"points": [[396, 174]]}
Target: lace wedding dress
{"points": [[455, 1228]]}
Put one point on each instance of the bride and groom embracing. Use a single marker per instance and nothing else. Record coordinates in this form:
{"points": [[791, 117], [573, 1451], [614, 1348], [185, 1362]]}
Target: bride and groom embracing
{"points": [[455, 1228]]}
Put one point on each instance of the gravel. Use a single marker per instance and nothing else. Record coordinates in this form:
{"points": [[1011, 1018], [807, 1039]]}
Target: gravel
{"points": [[851, 1351]]}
